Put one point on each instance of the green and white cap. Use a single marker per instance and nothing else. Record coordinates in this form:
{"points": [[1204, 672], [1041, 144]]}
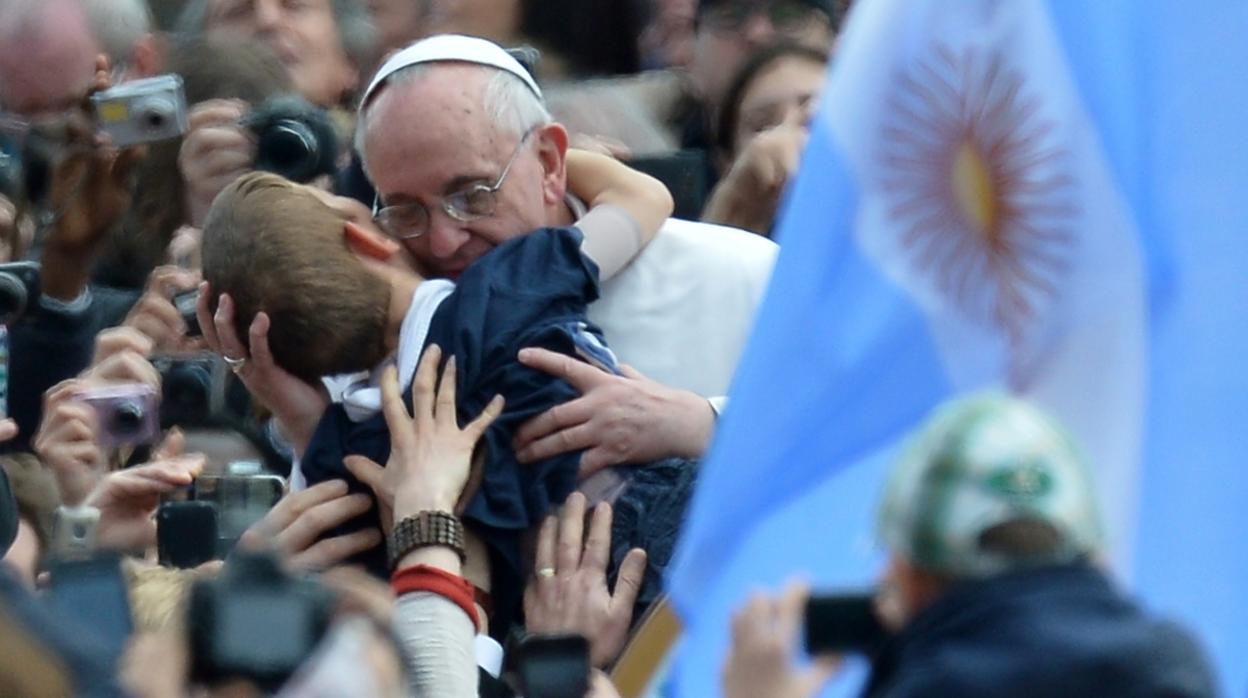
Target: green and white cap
{"points": [[979, 462]]}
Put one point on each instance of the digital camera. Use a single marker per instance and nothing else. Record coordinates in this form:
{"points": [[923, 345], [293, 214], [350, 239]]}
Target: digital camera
{"points": [[142, 111], [193, 388], [127, 414], [255, 622], [19, 290], [294, 138]]}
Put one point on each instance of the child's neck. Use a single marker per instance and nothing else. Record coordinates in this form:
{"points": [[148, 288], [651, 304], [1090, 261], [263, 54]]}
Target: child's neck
{"points": [[402, 289]]}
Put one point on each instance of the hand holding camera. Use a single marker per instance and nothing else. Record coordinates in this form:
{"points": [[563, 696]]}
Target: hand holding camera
{"points": [[286, 135], [90, 186], [128, 498], [765, 638], [217, 150], [67, 442], [158, 316]]}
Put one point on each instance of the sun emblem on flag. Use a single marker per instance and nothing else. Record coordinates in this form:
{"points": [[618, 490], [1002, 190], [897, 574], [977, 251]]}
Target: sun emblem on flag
{"points": [[979, 189]]}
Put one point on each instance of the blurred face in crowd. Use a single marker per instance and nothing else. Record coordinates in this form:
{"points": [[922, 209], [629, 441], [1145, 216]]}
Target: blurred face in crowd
{"points": [[399, 22], [303, 34], [496, 20], [786, 92], [668, 39], [730, 30], [45, 69], [429, 136]]}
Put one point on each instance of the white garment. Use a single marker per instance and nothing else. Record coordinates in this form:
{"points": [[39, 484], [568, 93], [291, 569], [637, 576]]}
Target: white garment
{"points": [[682, 311]]}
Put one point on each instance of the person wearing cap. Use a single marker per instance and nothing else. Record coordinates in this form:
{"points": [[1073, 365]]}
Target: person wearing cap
{"points": [[995, 584]]}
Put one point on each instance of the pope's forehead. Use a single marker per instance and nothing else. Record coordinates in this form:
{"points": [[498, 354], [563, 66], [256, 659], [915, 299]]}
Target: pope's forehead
{"points": [[453, 91]]}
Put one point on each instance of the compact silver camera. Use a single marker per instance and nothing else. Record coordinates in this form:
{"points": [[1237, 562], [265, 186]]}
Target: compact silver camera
{"points": [[142, 111]]}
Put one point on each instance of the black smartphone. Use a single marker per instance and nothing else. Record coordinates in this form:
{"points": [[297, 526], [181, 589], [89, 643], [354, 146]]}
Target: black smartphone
{"points": [[684, 174], [843, 623], [91, 592], [552, 666], [186, 533]]}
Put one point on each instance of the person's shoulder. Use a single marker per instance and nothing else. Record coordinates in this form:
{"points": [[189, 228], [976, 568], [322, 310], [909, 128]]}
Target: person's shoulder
{"points": [[720, 254], [719, 242]]}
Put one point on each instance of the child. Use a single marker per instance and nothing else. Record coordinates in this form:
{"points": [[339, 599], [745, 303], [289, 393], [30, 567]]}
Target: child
{"points": [[340, 300]]}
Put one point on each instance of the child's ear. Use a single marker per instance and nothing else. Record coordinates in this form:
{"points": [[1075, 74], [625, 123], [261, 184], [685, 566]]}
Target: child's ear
{"points": [[368, 242]]}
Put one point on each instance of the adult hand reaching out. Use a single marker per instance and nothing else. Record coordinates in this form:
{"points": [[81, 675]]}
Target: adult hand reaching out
{"points": [[568, 593], [296, 404], [430, 456], [295, 526], [617, 419], [765, 634]]}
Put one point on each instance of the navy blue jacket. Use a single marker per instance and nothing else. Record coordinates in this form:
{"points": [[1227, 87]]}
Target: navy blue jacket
{"points": [[1060, 632]]}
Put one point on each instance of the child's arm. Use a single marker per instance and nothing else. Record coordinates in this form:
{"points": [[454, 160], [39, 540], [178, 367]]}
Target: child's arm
{"points": [[627, 208]]}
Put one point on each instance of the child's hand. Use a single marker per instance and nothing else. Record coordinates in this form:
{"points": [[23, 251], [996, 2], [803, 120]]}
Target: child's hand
{"points": [[430, 456]]}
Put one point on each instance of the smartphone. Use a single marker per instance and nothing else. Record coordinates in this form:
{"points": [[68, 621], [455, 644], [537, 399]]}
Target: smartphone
{"points": [[186, 533], [843, 623], [91, 592], [552, 666], [240, 500]]}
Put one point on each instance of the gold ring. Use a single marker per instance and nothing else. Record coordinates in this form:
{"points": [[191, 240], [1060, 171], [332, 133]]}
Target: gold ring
{"points": [[546, 573], [235, 365]]}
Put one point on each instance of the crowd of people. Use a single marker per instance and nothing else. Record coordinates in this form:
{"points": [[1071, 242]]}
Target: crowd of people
{"points": [[353, 348]]}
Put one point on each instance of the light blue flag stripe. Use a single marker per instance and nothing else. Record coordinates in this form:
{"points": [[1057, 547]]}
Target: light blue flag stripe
{"points": [[874, 345], [1165, 85]]}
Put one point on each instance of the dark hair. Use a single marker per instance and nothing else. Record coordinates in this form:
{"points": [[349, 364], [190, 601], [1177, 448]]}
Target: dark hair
{"points": [[755, 65], [834, 10], [1022, 539], [596, 37]]}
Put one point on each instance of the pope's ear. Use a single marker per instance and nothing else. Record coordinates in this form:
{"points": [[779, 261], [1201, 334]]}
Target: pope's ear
{"points": [[368, 242]]}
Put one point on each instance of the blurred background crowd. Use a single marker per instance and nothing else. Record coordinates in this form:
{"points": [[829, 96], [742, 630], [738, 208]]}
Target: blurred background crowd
{"points": [[154, 432]]}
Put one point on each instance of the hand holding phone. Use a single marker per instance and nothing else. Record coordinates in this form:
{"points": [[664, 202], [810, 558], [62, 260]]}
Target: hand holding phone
{"points": [[841, 623]]}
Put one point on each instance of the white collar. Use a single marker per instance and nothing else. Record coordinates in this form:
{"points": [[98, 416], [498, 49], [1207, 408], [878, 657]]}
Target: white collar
{"points": [[362, 399]]}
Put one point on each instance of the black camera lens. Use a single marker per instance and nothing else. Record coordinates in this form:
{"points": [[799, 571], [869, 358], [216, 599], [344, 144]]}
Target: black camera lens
{"points": [[154, 120], [288, 148], [128, 418], [294, 138], [13, 297]]}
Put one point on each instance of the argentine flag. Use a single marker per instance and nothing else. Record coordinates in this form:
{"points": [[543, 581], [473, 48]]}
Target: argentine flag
{"points": [[1043, 196]]}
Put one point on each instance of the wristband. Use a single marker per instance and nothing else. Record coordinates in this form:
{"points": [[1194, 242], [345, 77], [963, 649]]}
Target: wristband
{"points": [[450, 586]]}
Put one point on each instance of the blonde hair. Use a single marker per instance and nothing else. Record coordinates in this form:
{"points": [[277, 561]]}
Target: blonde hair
{"points": [[159, 595]]}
